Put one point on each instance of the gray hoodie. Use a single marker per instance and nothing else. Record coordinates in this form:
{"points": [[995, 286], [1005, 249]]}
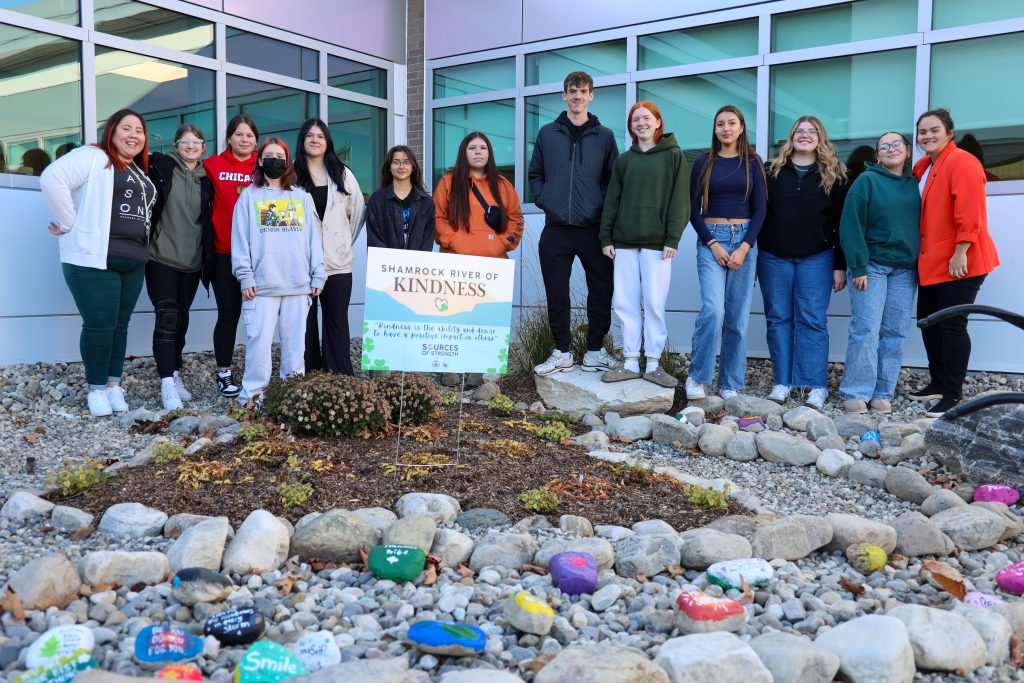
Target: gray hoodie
{"points": [[275, 242]]}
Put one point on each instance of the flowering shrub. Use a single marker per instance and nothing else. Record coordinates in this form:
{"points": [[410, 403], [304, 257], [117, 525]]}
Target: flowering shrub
{"points": [[329, 405], [418, 398]]}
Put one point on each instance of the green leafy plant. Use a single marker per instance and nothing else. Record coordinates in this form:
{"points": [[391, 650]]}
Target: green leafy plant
{"points": [[705, 497], [555, 432], [501, 404], [449, 398], [77, 478], [253, 431], [294, 494], [557, 416], [332, 405], [165, 452], [241, 413], [415, 398], [540, 499], [173, 415]]}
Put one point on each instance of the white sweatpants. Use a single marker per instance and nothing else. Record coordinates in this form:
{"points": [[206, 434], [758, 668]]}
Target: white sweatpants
{"points": [[642, 279], [261, 315]]}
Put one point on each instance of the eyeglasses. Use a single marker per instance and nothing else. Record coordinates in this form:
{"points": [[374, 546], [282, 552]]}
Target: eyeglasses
{"points": [[399, 162], [810, 132], [895, 145], [190, 143]]}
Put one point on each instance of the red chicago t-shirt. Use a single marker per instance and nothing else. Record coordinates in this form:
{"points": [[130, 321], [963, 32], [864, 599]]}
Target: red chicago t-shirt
{"points": [[229, 177]]}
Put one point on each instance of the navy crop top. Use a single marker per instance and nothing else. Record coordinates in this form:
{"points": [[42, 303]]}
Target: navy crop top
{"points": [[727, 195]]}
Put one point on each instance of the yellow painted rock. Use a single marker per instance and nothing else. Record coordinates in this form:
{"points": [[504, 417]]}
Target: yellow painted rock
{"points": [[529, 614], [866, 558]]}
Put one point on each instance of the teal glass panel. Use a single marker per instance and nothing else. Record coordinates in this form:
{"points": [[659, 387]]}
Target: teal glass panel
{"points": [[155, 26], [496, 119], [276, 56], [949, 13], [359, 132], [41, 91], [167, 94], [857, 98], [843, 23], [599, 59], [989, 116], [468, 79], [688, 105], [277, 110], [695, 45], [64, 11], [361, 78], [609, 106]]}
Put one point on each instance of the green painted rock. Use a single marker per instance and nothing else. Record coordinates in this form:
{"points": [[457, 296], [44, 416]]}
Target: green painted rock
{"points": [[63, 671], [267, 662], [396, 562], [866, 558]]}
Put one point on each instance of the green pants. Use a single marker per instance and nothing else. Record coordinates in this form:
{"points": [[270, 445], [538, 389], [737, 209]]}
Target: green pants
{"points": [[105, 299]]}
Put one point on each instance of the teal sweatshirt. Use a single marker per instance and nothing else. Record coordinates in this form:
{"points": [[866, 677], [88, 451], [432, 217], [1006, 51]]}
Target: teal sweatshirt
{"points": [[881, 219], [647, 205]]}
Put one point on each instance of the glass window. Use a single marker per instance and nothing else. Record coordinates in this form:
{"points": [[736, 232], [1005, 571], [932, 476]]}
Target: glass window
{"points": [[156, 26], [64, 11], [277, 110], [41, 91], [947, 13], [167, 94], [857, 98], [359, 132], [599, 59], [702, 44], [964, 81], [466, 79], [361, 78], [609, 106], [496, 119], [688, 105], [843, 23], [277, 56]]}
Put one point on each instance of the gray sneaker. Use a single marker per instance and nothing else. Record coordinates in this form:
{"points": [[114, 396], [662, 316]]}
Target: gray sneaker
{"points": [[556, 362], [661, 378], [619, 374], [597, 361]]}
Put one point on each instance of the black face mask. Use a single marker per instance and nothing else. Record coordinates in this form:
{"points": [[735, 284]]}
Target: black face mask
{"points": [[274, 168]]}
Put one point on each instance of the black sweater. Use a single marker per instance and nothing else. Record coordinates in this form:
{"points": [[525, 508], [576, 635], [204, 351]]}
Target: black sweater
{"points": [[386, 228], [802, 220]]}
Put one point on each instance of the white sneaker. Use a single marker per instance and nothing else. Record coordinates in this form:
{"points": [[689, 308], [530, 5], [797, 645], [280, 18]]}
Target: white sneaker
{"points": [[557, 362], [169, 394], [816, 399], [115, 395], [99, 404], [726, 394], [780, 392], [597, 361], [183, 393], [694, 389]]}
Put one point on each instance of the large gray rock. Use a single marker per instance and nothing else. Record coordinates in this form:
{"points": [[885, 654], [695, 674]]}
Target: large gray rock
{"points": [[800, 417], [871, 649], [742, 447], [501, 549], [47, 581], [942, 640], [442, 508], [916, 535], [122, 567], [178, 524], [23, 505], [646, 554], [703, 547], [478, 519], [451, 547], [908, 485], [834, 463], [69, 519], [480, 675], [391, 670], [378, 518], [713, 439], [791, 538], [971, 527], [854, 425], [584, 391], [667, 430], [820, 426], [260, 545], [912, 446], [201, 545], [417, 531], [602, 662], [786, 449], [868, 473], [850, 529], [335, 536], [942, 499], [1014, 523], [745, 405], [993, 628], [711, 658], [633, 428], [134, 520], [600, 548], [985, 445], [794, 659]]}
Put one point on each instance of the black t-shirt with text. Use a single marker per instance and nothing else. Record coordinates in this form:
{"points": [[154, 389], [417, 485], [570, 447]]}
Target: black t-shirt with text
{"points": [[134, 195]]}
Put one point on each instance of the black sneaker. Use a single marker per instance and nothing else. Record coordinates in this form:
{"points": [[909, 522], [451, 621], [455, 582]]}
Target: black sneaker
{"points": [[939, 408], [928, 393], [226, 384]]}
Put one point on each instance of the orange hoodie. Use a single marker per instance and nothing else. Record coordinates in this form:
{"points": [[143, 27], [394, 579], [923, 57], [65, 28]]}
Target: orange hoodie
{"points": [[481, 240]]}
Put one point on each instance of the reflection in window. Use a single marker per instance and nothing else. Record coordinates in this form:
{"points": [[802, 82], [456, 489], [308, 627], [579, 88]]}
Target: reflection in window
{"points": [[964, 81], [64, 11], [701, 44], [609, 106], [948, 13], [467, 79], [360, 138], [599, 59], [497, 120], [138, 21], [843, 23], [277, 110], [361, 78], [41, 91], [688, 105], [279, 57], [167, 94]]}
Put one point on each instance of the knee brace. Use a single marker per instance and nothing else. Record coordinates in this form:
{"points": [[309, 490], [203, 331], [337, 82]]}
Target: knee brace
{"points": [[166, 316]]}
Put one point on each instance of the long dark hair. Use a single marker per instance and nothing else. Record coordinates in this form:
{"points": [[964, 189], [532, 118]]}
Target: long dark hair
{"points": [[235, 122], [334, 165], [288, 178], [462, 185], [106, 143], [742, 144], [417, 174]]}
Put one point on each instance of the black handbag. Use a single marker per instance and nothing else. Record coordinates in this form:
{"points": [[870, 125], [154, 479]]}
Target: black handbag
{"points": [[492, 214]]}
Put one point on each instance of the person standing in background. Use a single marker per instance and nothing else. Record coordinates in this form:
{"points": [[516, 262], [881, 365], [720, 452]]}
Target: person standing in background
{"points": [[400, 214]]}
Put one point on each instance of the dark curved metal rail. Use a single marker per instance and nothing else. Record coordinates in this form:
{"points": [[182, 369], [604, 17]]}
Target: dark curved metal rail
{"points": [[976, 404]]}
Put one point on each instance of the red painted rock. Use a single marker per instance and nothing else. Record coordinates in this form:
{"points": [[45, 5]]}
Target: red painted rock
{"points": [[574, 573], [703, 613], [996, 493], [1011, 579]]}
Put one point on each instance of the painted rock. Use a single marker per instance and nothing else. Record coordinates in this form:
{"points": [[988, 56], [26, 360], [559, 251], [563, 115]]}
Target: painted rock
{"points": [[871, 435], [866, 558], [996, 493], [159, 643], [703, 613], [396, 562], [1011, 579], [750, 421], [983, 599], [197, 584], [730, 574], [236, 626], [267, 662], [317, 650], [574, 573], [529, 614], [58, 643], [180, 672], [441, 638], [63, 671]]}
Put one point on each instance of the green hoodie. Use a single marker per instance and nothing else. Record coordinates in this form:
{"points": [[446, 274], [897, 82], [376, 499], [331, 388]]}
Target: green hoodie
{"points": [[647, 205], [881, 219]]}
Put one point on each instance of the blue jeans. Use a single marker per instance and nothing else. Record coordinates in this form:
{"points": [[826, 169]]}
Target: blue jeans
{"points": [[879, 322], [796, 294], [725, 310]]}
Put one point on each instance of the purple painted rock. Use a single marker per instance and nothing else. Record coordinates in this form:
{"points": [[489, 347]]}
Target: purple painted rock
{"points": [[996, 493], [751, 420], [574, 573], [1011, 579], [982, 599]]}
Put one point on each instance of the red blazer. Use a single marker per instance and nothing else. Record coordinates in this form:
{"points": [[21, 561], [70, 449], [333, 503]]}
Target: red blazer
{"points": [[953, 210]]}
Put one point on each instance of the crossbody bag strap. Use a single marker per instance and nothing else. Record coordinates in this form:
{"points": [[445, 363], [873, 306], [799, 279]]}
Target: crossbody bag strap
{"points": [[480, 198]]}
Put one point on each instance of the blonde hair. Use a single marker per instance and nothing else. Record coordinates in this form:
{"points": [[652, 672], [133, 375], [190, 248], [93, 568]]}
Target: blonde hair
{"points": [[831, 169]]}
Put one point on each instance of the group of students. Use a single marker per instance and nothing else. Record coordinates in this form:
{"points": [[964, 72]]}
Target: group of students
{"points": [[273, 234]]}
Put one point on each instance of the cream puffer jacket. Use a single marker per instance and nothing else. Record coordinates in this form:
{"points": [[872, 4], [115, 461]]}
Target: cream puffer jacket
{"points": [[341, 224]]}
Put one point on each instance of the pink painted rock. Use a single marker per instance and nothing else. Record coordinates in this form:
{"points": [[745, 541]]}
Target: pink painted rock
{"points": [[982, 599], [1011, 579], [703, 613], [996, 493], [574, 573]]}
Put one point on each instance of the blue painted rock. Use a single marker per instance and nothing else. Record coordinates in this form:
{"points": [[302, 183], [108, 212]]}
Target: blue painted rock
{"points": [[317, 650], [396, 562], [236, 626], [441, 638], [1011, 579], [528, 613], [574, 573], [871, 435], [159, 643], [982, 599], [267, 662], [63, 671], [703, 613], [58, 643], [179, 672], [730, 574], [996, 493], [197, 584]]}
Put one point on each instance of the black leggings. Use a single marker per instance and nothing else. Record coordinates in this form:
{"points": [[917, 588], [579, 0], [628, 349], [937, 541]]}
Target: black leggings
{"points": [[948, 344], [171, 292], [229, 309], [336, 355]]}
